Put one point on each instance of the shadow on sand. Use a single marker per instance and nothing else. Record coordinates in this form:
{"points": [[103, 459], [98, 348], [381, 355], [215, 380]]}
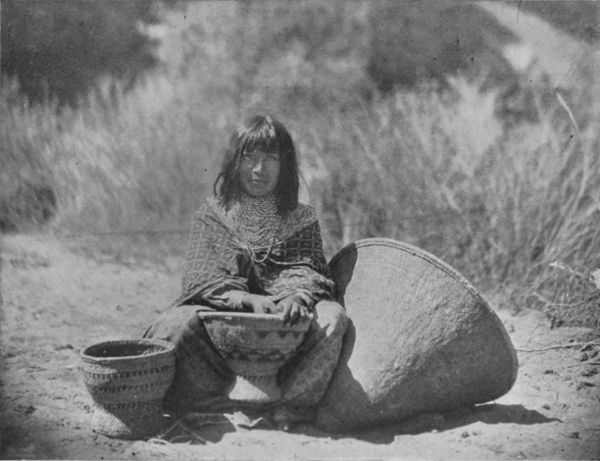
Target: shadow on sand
{"points": [[214, 429], [491, 413]]}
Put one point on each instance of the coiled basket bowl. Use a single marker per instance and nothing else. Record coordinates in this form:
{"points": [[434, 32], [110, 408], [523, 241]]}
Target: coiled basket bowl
{"points": [[127, 380], [255, 346]]}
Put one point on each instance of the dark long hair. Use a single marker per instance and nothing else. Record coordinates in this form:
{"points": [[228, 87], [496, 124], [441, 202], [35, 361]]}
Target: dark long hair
{"points": [[268, 135]]}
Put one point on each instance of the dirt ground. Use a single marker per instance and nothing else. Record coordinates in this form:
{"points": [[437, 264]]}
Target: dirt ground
{"points": [[56, 301]]}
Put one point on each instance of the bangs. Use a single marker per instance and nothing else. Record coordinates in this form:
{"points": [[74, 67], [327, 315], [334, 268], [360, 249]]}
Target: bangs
{"points": [[262, 136], [262, 133]]}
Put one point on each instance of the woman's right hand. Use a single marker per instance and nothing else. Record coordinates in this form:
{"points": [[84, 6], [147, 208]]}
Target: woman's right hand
{"points": [[259, 304]]}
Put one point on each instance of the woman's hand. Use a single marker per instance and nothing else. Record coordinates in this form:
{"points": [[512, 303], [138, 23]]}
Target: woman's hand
{"points": [[259, 304], [292, 309]]}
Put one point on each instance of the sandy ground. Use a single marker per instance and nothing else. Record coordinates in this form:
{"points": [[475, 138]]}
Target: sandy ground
{"points": [[56, 301]]}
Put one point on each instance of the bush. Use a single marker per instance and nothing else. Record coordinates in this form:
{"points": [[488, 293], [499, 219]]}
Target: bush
{"points": [[59, 48], [403, 50], [27, 197], [579, 19], [433, 165], [499, 204]]}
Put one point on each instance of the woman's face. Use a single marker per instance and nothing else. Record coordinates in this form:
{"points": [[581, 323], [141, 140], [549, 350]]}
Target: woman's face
{"points": [[259, 172]]}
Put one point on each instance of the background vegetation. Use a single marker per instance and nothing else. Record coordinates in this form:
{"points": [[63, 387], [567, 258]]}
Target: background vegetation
{"points": [[411, 121]]}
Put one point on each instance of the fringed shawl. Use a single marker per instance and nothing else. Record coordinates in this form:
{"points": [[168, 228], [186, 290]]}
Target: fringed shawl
{"points": [[221, 259]]}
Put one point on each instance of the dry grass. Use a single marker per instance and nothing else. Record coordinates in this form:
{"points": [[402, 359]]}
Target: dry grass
{"points": [[435, 168], [139, 161], [442, 172]]}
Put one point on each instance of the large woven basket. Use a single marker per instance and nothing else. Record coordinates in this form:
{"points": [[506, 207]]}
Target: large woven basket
{"points": [[421, 338], [127, 380]]}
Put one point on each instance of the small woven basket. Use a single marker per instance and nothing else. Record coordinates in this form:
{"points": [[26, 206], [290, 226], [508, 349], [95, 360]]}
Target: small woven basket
{"points": [[127, 380]]}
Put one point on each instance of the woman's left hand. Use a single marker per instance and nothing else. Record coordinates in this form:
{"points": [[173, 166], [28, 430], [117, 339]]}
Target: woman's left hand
{"points": [[291, 309]]}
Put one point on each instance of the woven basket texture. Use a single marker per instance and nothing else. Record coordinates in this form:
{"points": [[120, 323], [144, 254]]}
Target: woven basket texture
{"points": [[253, 337], [421, 338], [255, 346], [127, 380]]}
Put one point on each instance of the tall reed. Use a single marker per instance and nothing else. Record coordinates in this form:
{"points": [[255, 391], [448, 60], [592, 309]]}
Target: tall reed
{"points": [[436, 168], [440, 170]]}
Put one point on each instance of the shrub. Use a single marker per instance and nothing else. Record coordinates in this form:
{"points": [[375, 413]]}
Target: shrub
{"points": [[416, 41], [434, 165], [27, 197], [58, 48], [439, 170]]}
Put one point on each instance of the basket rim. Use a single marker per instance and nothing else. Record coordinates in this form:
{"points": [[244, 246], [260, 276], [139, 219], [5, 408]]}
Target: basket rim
{"points": [[266, 321], [413, 250], [229, 315], [167, 349]]}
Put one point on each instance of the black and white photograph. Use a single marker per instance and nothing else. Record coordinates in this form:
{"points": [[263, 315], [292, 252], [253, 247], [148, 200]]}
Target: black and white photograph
{"points": [[300, 229]]}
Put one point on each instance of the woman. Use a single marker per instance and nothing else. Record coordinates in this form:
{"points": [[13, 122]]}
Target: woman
{"points": [[255, 248]]}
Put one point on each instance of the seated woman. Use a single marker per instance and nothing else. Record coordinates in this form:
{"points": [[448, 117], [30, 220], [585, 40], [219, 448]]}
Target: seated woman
{"points": [[255, 248]]}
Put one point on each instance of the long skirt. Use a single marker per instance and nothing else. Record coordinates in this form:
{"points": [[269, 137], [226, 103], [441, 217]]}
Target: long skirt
{"points": [[203, 379]]}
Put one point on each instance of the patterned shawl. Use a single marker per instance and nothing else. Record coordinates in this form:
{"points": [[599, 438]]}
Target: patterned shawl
{"points": [[251, 248]]}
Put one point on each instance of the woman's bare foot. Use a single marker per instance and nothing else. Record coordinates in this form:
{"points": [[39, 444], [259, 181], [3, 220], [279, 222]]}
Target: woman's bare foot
{"points": [[285, 416]]}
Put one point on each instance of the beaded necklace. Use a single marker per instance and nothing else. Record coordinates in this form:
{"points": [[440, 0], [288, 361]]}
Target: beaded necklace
{"points": [[257, 220]]}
